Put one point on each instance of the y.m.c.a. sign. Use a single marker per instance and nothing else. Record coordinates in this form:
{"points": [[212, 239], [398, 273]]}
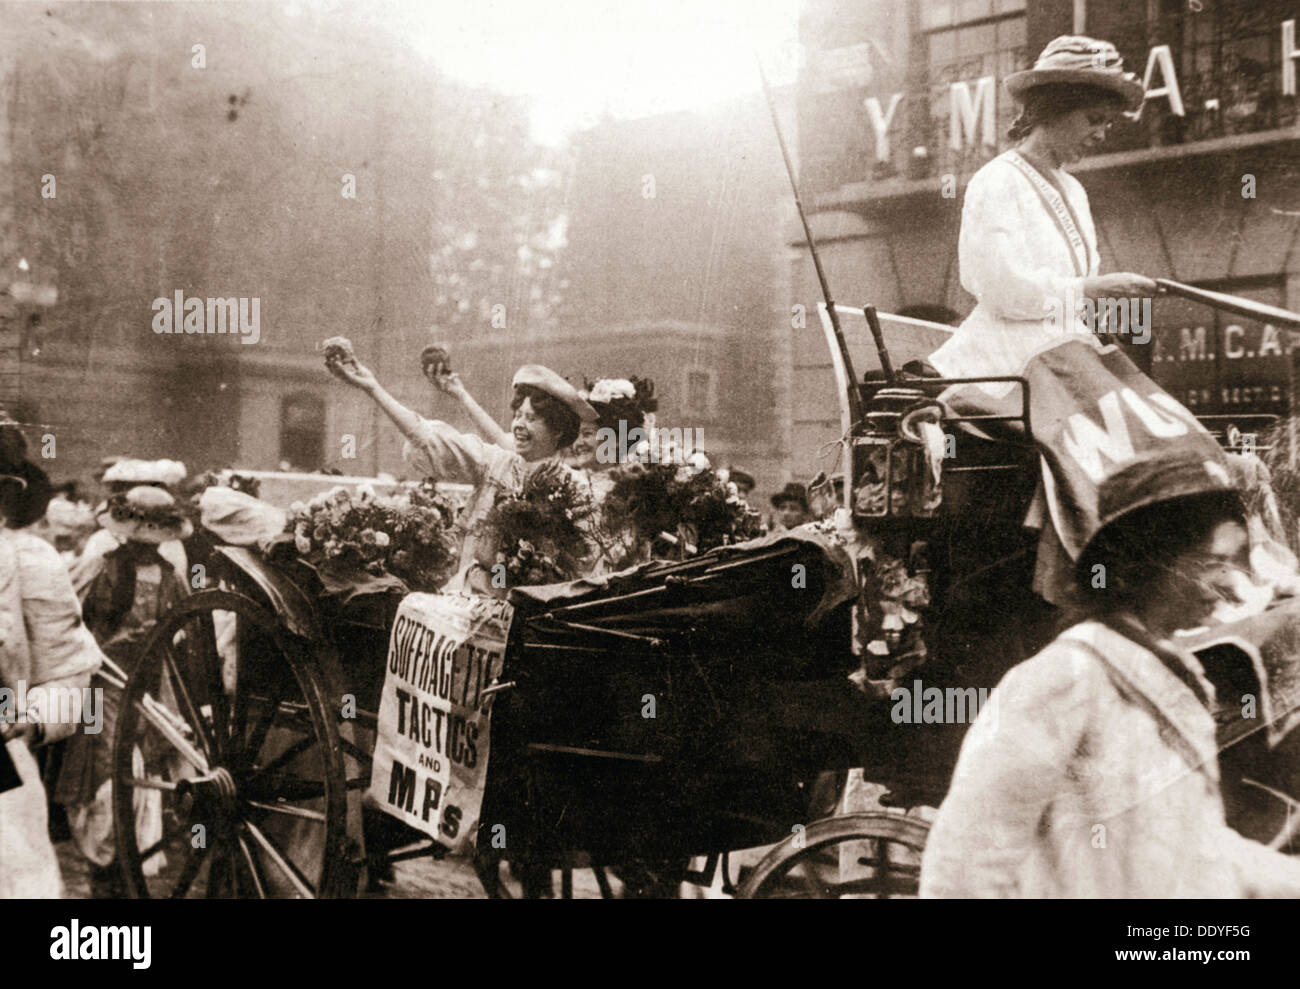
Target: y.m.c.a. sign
{"points": [[972, 111]]}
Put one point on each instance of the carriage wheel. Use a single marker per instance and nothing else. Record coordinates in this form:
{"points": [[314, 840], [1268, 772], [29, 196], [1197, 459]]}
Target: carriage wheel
{"points": [[228, 773], [854, 855]]}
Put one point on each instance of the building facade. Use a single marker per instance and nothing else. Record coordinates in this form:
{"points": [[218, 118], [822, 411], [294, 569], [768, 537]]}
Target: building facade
{"points": [[901, 101], [319, 167]]}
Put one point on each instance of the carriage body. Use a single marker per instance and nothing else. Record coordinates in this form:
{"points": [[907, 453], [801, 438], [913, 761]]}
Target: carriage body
{"points": [[673, 710]]}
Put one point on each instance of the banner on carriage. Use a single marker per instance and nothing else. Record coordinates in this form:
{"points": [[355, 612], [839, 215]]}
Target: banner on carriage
{"points": [[431, 750], [1092, 413]]}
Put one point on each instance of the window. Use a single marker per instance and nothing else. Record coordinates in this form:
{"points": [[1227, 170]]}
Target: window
{"points": [[970, 48], [966, 40], [302, 431]]}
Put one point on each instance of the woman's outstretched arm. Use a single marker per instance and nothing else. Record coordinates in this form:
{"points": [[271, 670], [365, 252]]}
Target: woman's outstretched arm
{"points": [[449, 383], [434, 447], [363, 379]]}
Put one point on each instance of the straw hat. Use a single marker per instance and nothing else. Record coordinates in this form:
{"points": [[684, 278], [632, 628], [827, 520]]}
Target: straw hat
{"points": [[1081, 61]]}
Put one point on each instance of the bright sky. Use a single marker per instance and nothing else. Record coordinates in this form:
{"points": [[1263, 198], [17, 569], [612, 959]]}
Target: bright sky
{"points": [[579, 58]]}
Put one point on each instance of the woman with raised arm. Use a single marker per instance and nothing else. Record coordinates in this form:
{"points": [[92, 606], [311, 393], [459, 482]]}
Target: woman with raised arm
{"points": [[434, 364], [547, 414]]}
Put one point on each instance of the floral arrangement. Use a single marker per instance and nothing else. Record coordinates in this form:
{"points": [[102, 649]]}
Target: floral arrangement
{"points": [[685, 506], [891, 622], [543, 529], [349, 535]]}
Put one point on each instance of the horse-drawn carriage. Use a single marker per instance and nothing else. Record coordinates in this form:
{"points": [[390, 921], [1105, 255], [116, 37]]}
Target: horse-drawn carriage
{"points": [[678, 709]]}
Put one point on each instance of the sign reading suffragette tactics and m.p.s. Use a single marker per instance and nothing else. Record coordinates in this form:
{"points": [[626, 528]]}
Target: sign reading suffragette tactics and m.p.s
{"points": [[431, 750]]}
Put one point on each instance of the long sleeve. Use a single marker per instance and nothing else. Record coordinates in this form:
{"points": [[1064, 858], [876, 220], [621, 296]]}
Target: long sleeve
{"points": [[1015, 760], [63, 652], [1003, 266], [450, 455]]}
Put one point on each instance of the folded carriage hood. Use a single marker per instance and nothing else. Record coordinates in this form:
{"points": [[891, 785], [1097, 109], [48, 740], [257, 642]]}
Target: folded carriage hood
{"points": [[765, 563]]}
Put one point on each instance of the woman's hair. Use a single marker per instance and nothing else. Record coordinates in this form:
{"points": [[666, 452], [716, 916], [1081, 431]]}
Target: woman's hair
{"points": [[1138, 549], [24, 489], [559, 418], [1045, 103]]}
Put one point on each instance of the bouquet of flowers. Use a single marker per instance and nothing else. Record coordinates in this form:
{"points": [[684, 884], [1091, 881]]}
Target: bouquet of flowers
{"points": [[683, 505], [541, 529], [351, 537]]}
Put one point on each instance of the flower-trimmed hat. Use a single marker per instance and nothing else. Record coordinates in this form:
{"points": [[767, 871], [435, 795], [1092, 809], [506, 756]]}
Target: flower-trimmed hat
{"points": [[544, 379], [167, 473], [144, 514], [1082, 61], [613, 399]]}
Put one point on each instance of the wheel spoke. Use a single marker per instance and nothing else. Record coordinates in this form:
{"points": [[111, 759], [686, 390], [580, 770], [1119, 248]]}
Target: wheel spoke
{"points": [[292, 752], [281, 861], [158, 845], [151, 784], [261, 727], [202, 734], [188, 874], [253, 869], [219, 874], [289, 810], [287, 787], [160, 716], [209, 657]]}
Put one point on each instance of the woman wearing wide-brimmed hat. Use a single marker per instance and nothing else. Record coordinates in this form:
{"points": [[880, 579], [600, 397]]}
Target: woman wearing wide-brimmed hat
{"points": [[1028, 253], [133, 571], [1093, 769], [43, 644], [1028, 242]]}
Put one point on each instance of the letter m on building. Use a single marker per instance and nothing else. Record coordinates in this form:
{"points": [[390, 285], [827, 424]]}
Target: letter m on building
{"points": [[401, 787], [966, 112]]}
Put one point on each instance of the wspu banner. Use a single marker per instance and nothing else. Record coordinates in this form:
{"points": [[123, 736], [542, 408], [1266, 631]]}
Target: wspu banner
{"points": [[431, 752], [1092, 413]]}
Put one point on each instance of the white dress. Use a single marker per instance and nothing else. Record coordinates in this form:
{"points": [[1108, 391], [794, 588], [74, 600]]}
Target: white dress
{"points": [[1014, 259], [44, 643]]}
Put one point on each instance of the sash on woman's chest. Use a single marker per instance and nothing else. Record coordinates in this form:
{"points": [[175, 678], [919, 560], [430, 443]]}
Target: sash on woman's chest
{"points": [[1057, 204]]}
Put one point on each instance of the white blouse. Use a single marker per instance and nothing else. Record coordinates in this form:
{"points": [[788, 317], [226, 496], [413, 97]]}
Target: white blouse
{"points": [[1014, 259]]}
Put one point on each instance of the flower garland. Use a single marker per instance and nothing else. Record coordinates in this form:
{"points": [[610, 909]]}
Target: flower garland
{"points": [[678, 509], [346, 535], [542, 529]]}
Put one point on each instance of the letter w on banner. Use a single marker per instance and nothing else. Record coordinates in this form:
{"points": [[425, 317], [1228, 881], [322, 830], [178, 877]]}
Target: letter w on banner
{"points": [[431, 750], [1092, 412]]}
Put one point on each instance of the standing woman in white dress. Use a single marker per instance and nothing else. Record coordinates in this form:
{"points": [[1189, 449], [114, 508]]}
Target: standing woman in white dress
{"points": [[43, 644]]}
